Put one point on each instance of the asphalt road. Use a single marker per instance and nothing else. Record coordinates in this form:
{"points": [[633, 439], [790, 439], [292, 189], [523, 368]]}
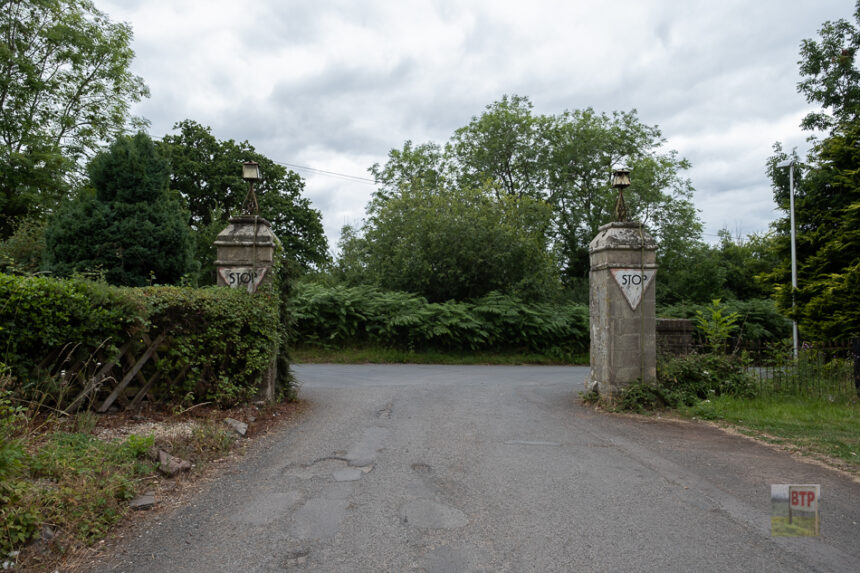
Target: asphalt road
{"points": [[483, 468]]}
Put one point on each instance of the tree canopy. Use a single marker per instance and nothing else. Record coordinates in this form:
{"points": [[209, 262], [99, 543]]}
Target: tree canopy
{"points": [[452, 243], [728, 270], [65, 88], [207, 172], [827, 203], [829, 74], [128, 228], [562, 162]]}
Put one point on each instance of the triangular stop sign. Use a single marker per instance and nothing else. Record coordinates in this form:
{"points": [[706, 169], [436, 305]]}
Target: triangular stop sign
{"points": [[633, 283]]}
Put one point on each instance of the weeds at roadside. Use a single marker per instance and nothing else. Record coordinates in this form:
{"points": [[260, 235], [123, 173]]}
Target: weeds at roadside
{"points": [[85, 422], [72, 481], [65, 482], [591, 397], [207, 441]]}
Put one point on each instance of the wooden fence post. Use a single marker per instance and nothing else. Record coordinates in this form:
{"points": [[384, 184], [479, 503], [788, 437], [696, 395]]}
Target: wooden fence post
{"points": [[855, 355], [132, 373]]}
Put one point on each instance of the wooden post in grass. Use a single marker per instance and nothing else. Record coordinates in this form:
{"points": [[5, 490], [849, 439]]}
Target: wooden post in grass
{"points": [[855, 356]]}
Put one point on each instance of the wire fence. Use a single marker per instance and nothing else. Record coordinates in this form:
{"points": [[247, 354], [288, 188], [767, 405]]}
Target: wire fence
{"points": [[820, 370]]}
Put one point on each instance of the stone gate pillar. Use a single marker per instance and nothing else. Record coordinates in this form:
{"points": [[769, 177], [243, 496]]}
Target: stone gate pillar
{"points": [[245, 251], [622, 307]]}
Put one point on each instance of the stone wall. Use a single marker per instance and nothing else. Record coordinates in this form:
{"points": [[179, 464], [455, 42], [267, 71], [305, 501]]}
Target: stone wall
{"points": [[674, 336]]}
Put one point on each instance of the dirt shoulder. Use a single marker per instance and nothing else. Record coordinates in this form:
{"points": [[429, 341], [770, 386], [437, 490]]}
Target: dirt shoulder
{"points": [[171, 430]]}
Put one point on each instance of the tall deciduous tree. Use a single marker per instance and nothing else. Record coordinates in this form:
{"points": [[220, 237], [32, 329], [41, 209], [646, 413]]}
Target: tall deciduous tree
{"points": [[207, 172], [129, 229], [564, 160], [584, 148], [453, 243], [830, 77], [65, 88], [827, 203], [506, 145]]}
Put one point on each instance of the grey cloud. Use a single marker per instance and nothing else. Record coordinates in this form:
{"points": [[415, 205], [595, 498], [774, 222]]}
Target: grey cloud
{"points": [[707, 73]]}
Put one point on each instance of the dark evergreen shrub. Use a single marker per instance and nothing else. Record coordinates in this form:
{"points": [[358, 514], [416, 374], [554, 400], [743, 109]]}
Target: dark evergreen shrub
{"points": [[130, 231]]}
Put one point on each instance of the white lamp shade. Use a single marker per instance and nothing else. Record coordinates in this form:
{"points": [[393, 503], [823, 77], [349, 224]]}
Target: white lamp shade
{"points": [[251, 171], [621, 178]]}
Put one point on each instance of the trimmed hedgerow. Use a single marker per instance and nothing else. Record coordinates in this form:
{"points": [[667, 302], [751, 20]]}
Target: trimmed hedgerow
{"points": [[40, 315], [221, 340]]}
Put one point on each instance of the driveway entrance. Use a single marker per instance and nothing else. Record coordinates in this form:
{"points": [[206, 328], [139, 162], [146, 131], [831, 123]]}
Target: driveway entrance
{"points": [[485, 468]]}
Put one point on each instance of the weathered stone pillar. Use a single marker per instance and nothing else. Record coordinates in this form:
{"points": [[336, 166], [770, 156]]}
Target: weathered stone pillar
{"points": [[245, 251], [622, 307]]}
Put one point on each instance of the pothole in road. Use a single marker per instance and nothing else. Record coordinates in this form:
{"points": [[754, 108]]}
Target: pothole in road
{"points": [[317, 468], [385, 412], [333, 466], [422, 469], [293, 558], [351, 474], [427, 514]]}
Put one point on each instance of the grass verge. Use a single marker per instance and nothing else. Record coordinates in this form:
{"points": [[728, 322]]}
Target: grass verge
{"points": [[800, 526], [375, 355], [816, 414], [811, 425]]}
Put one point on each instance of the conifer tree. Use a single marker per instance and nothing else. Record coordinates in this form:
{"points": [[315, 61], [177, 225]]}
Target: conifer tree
{"points": [[827, 195], [127, 227]]}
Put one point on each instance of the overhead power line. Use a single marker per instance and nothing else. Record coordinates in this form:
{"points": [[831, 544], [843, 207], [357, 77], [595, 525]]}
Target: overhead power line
{"points": [[345, 176]]}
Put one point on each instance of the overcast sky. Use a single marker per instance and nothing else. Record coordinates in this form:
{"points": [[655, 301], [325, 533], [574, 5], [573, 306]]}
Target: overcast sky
{"points": [[335, 84]]}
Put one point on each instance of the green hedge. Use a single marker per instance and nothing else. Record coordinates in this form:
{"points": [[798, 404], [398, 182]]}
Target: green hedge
{"points": [[222, 339], [225, 340], [686, 380], [339, 316], [40, 315]]}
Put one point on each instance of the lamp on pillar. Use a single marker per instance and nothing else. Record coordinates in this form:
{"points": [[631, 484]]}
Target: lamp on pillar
{"points": [[251, 173], [620, 181], [622, 302]]}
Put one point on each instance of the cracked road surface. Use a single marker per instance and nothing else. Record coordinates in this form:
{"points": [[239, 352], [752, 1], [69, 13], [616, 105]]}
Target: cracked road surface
{"points": [[487, 468]]}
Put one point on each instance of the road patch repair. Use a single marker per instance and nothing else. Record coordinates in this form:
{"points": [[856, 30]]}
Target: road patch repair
{"points": [[399, 468]]}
